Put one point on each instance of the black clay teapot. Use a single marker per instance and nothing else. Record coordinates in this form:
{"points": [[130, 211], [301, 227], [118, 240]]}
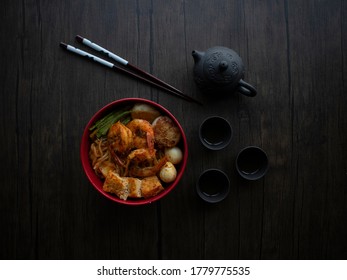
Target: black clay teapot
{"points": [[220, 70]]}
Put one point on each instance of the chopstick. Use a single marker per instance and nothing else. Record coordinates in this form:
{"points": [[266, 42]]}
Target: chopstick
{"points": [[124, 62], [153, 81]]}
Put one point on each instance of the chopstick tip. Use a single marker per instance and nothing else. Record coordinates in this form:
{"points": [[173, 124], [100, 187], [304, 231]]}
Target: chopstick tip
{"points": [[79, 38], [63, 45]]}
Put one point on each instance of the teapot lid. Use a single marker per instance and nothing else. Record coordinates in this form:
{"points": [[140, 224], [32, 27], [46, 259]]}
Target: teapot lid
{"points": [[222, 66]]}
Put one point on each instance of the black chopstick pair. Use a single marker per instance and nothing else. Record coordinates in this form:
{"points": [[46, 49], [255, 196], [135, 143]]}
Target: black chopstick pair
{"points": [[142, 75]]}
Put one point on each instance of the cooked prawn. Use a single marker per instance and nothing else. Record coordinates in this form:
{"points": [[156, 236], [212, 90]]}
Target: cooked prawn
{"points": [[120, 138], [143, 172], [141, 155], [143, 134], [143, 163]]}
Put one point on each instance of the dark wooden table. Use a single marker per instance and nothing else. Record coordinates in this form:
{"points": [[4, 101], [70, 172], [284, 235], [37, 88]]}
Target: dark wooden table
{"points": [[295, 54]]}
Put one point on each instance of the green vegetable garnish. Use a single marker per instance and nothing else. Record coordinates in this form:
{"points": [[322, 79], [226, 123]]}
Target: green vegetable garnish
{"points": [[101, 127]]}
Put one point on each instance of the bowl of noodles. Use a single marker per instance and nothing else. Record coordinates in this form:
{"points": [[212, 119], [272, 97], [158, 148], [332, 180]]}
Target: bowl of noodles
{"points": [[134, 151]]}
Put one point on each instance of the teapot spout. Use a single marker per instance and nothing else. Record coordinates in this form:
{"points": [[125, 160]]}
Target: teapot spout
{"points": [[197, 55]]}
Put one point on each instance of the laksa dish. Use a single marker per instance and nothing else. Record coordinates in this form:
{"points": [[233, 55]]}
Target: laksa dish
{"points": [[135, 151]]}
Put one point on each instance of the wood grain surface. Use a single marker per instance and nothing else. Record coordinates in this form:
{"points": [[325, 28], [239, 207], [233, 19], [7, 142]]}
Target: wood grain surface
{"points": [[295, 54]]}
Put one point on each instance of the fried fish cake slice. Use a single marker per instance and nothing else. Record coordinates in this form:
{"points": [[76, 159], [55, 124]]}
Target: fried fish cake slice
{"points": [[117, 185], [134, 187], [151, 186]]}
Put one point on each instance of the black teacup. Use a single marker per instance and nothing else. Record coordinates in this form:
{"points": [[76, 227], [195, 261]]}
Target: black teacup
{"points": [[252, 163], [215, 133], [213, 185]]}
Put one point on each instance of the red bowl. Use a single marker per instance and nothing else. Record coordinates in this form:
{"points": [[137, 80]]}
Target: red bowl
{"points": [[98, 183]]}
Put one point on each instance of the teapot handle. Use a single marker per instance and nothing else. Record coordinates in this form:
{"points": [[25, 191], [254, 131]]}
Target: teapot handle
{"points": [[246, 89]]}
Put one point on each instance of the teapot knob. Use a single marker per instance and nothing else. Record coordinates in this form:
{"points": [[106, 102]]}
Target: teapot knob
{"points": [[223, 65]]}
